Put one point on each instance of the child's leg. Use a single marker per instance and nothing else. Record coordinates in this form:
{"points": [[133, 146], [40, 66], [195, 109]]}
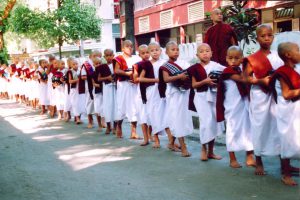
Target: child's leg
{"points": [[287, 177], [99, 122], [233, 162], [171, 144], [77, 120], [60, 114], [103, 124], [210, 153], [250, 162], [133, 131], [90, 121], [43, 110], [184, 151], [114, 128], [119, 133], [145, 133], [156, 141], [150, 133], [204, 153], [259, 166], [108, 128]]}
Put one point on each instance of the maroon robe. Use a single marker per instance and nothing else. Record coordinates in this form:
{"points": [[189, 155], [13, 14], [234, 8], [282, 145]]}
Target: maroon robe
{"points": [[95, 77], [290, 77], [104, 72], [261, 66], [123, 66], [162, 86], [81, 84], [148, 67], [219, 39], [243, 90]]}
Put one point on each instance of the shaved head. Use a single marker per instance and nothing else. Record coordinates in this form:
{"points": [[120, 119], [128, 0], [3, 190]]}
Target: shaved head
{"points": [[108, 52], [170, 44], [202, 45], [235, 48], [153, 44], [143, 46], [263, 26], [284, 48], [126, 43]]}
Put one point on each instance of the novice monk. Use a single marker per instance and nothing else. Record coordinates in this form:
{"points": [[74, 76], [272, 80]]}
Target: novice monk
{"points": [[266, 141], [98, 95], [85, 85], [126, 89], [286, 86], [232, 106], [174, 85], [77, 106], [156, 106], [43, 85], [220, 36], [106, 75], [143, 75], [205, 100], [59, 91]]}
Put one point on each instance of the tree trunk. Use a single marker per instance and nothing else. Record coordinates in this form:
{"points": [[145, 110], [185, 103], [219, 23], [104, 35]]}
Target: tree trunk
{"points": [[129, 21], [60, 43], [1, 41]]}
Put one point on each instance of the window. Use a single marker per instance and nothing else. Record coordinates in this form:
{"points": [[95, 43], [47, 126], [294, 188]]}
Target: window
{"points": [[166, 18], [123, 30], [195, 11], [226, 3], [144, 25]]}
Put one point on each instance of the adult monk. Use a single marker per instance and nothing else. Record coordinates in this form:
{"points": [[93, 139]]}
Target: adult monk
{"points": [[220, 37]]}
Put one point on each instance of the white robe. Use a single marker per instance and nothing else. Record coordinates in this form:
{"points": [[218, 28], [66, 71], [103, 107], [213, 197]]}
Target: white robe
{"points": [[266, 140], [43, 91], [179, 118], [238, 127], [156, 106], [205, 103], [288, 122], [89, 102], [109, 100], [127, 96]]}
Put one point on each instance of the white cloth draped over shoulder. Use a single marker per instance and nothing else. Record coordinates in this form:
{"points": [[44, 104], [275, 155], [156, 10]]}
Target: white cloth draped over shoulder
{"points": [[205, 103], [238, 127], [179, 118], [266, 140], [156, 106]]}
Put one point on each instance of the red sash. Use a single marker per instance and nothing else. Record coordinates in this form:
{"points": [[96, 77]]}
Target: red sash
{"points": [[227, 73], [199, 73], [123, 66], [81, 83], [290, 77], [104, 72], [261, 66], [148, 67]]}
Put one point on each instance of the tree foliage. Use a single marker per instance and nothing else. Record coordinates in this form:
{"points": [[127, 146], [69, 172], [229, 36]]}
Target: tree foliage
{"points": [[69, 23], [243, 20]]}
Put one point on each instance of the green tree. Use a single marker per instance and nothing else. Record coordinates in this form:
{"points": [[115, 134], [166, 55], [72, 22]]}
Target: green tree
{"points": [[243, 20], [5, 10], [69, 23]]}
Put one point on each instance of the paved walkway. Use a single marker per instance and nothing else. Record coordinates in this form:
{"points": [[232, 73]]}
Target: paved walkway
{"points": [[46, 159]]}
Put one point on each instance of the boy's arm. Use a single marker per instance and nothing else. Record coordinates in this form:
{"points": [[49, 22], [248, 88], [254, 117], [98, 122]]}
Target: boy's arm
{"points": [[286, 92], [207, 81], [142, 78], [168, 78], [121, 72], [248, 72]]}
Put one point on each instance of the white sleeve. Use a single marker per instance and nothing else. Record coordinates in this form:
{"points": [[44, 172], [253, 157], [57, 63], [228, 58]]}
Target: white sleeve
{"points": [[83, 72]]}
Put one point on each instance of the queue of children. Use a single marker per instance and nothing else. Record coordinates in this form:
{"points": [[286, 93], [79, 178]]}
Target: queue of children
{"points": [[256, 97]]}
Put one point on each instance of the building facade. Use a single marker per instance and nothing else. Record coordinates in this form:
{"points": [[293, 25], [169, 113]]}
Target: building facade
{"points": [[186, 21]]}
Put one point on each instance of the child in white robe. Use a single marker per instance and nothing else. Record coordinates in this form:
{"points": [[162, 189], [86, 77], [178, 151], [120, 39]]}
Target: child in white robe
{"points": [[232, 106], [205, 100]]}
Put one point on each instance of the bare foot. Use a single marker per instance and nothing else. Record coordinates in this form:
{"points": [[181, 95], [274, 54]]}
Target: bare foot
{"points": [[135, 138], [107, 132], [173, 148], [78, 122], [287, 180], [177, 146], [235, 164], [156, 146], [144, 144], [90, 125], [259, 170], [214, 156], [250, 163], [204, 156], [42, 113], [99, 129], [186, 154]]}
